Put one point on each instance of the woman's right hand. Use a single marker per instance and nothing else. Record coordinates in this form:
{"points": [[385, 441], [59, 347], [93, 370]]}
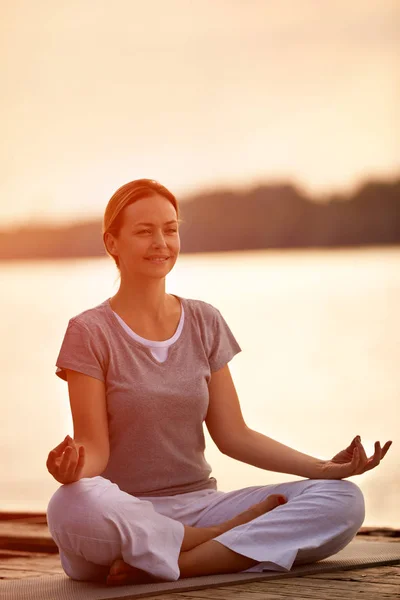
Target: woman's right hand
{"points": [[66, 461]]}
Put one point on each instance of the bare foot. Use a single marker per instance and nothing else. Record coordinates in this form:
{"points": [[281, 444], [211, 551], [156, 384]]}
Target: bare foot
{"points": [[122, 574]]}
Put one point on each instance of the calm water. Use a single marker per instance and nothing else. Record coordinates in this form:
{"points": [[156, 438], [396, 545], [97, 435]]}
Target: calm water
{"points": [[320, 336]]}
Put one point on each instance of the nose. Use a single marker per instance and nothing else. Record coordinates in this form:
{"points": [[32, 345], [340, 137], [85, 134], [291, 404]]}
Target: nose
{"points": [[158, 240]]}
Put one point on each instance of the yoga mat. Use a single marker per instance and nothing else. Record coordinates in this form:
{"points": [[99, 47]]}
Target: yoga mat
{"points": [[357, 554]]}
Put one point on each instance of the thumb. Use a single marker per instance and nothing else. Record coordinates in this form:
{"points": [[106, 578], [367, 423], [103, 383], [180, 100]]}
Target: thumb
{"points": [[349, 468]]}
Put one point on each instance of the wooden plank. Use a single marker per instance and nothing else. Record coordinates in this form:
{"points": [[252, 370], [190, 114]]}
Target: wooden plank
{"points": [[32, 545], [309, 587], [283, 589], [390, 573], [266, 594], [27, 550], [19, 535], [21, 529], [27, 516], [379, 531], [15, 565], [273, 590], [339, 585], [7, 553], [19, 574], [50, 563]]}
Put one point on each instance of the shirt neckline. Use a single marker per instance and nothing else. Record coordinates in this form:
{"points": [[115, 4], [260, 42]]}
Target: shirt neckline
{"points": [[171, 348]]}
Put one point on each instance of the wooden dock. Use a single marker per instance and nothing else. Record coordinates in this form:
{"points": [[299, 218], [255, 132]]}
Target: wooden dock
{"points": [[28, 550]]}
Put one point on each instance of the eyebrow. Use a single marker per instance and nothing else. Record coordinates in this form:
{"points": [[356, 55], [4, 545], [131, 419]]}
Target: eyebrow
{"points": [[167, 223]]}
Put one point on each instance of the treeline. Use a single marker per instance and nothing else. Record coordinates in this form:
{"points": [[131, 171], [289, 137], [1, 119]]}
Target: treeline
{"points": [[268, 216]]}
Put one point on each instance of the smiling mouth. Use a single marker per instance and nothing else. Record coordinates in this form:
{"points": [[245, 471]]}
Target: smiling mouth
{"points": [[158, 260]]}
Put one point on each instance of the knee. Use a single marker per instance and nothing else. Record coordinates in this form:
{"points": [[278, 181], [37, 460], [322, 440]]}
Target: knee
{"points": [[64, 500], [349, 505], [70, 502], [356, 505]]}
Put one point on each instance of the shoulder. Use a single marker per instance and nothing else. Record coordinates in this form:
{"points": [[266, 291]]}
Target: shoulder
{"points": [[91, 318], [202, 310]]}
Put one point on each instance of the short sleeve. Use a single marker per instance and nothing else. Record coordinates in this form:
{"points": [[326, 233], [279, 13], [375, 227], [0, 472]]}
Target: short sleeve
{"points": [[225, 346], [79, 352]]}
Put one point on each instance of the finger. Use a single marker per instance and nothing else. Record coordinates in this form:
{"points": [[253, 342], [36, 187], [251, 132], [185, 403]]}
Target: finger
{"points": [[52, 459], [385, 448], [363, 456], [353, 444], [68, 458], [354, 465], [73, 462], [61, 446], [362, 459], [375, 459]]}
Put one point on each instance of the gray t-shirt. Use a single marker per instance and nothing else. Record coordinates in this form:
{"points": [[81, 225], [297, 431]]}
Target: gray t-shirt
{"points": [[155, 409]]}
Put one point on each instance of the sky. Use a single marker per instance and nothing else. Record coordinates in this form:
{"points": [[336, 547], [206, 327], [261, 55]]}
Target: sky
{"points": [[194, 93]]}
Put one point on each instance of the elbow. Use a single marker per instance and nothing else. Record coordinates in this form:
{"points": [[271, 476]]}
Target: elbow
{"points": [[96, 458], [224, 450], [232, 444], [232, 450]]}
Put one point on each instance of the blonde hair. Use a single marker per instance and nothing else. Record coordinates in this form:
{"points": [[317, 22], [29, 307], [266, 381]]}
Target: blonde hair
{"points": [[124, 196]]}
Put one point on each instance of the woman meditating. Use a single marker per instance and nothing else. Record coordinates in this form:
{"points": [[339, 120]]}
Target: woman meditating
{"points": [[144, 370]]}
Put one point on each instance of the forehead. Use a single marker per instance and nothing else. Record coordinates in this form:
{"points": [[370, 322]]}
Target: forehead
{"points": [[153, 209]]}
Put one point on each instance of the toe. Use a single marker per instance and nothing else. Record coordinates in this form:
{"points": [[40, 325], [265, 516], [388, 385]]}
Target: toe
{"points": [[117, 567]]}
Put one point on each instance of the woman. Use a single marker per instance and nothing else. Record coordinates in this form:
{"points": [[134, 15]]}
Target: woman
{"points": [[145, 369]]}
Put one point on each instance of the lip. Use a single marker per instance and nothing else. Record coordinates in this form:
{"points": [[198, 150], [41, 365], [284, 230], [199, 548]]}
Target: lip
{"points": [[159, 257]]}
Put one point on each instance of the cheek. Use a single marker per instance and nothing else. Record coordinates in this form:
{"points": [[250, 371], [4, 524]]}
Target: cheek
{"points": [[142, 242]]}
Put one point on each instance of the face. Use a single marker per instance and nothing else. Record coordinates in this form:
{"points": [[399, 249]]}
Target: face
{"points": [[138, 242]]}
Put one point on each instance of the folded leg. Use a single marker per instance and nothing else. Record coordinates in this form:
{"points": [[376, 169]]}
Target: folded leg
{"points": [[320, 518], [93, 523]]}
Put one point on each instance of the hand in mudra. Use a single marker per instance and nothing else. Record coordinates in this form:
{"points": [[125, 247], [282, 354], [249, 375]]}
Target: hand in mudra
{"points": [[353, 460], [66, 461]]}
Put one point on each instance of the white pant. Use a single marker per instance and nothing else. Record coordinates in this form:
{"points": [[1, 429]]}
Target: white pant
{"points": [[93, 522]]}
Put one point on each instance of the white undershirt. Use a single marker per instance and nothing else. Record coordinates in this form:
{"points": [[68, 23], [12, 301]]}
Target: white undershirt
{"points": [[158, 349]]}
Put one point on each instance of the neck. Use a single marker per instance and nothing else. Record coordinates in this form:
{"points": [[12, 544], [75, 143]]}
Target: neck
{"points": [[148, 302]]}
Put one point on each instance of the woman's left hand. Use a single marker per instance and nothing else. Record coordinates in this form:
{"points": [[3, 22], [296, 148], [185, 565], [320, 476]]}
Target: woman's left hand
{"points": [[353, 460]]}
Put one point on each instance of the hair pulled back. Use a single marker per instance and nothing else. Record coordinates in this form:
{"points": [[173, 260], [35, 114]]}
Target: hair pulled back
{"points": [[124, 196]]}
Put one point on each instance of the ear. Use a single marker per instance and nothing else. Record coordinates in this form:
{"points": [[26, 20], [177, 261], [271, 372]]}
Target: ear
{"points": [[110, 243]]}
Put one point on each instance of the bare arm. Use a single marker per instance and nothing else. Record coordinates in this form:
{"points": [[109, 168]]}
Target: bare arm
{"points": [[261, 451], [88, 453], [232, 436]]}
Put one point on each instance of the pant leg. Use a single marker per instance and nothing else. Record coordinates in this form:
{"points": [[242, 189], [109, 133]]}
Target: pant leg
{"points": [[320, 518], [93, 522]]}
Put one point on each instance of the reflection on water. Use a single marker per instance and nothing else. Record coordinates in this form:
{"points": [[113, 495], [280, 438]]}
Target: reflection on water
{"points": [[319, 332]]}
